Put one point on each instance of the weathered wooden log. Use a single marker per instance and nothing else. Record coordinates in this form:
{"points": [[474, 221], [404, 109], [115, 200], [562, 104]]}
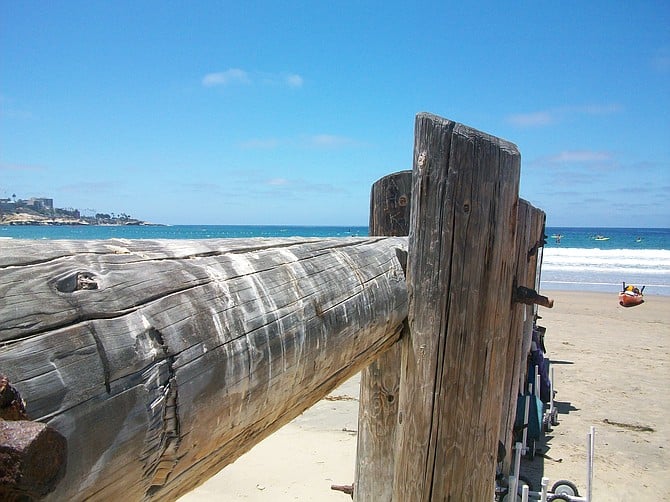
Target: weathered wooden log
{"points": [[529, 242], [460, 278], [161, 362], [378, 405]]}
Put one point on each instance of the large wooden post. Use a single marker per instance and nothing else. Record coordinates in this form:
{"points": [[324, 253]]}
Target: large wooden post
{"points": [[378, 405], [460, 278]]}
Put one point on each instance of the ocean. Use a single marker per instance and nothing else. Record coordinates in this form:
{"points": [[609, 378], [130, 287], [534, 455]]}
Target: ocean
{"points": [[601, 259], [576, 261]]}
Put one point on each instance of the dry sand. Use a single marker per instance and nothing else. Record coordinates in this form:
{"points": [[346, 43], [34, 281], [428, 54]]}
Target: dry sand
{"points": [[612, 371]]}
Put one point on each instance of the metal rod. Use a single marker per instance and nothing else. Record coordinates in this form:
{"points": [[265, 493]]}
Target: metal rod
{"points": [[525, 417], [589, 463], [543, 493]]}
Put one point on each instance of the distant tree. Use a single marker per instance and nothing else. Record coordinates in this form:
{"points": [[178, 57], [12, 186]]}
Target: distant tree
{"points": [[14, 197]]}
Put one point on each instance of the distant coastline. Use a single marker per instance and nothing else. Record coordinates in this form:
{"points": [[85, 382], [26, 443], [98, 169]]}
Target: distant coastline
{"points": [[39, 219], [41, 211]]}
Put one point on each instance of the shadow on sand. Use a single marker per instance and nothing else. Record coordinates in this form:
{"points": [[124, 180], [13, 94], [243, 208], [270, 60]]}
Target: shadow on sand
{"points": [[533, 469]]}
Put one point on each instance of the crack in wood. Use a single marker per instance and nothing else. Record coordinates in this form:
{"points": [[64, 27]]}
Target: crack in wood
{"points": [[162, 440]]}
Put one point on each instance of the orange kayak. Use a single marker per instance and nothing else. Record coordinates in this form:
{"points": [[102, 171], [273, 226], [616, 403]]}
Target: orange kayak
{"points": [[630, 296]]}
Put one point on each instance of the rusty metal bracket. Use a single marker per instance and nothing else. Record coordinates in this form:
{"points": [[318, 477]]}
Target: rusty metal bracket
{"points": [[33, 455], [348, 489], [538, 244], [529, 296]]}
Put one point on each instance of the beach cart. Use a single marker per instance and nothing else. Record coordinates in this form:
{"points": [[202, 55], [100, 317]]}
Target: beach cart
{"points": [[560, 490], [529, 421]]}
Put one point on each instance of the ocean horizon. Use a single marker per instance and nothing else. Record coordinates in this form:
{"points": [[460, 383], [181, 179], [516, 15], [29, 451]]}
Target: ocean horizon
{"points": [[574, 258]]}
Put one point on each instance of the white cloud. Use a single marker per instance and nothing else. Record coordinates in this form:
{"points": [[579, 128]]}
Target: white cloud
{"points": [[555, 115], [293, 80], [238, 76], [582, 156], [20, 167], [233, 75], [278, 182], [305, 141], [531, 119]]}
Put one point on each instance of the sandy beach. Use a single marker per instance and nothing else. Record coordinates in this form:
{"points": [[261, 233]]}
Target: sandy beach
{"points": [[612, 368]]}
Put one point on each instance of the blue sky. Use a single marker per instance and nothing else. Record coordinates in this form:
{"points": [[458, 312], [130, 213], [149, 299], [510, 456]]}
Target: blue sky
{"points": [[244, 112]]}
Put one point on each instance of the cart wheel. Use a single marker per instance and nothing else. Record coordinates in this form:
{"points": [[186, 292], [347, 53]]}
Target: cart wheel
{"points": [[554, 417], [561, 496], [546, 423], [565, 487]]}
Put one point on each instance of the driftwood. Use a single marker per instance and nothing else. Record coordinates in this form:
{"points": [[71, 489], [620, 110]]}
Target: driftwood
{"points": [[160, 362]]}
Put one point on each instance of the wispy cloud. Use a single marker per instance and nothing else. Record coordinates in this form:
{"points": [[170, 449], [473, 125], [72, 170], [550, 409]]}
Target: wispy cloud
{"points": [[21, 167], [578, 156], [222, 78], [277, 182], [88, 187], [328, 141], [582, 165], [324, 141], [534, 119], [9, 110], [294, 187], [293, 80], [661, 60], [555, 115], [239, 76]]}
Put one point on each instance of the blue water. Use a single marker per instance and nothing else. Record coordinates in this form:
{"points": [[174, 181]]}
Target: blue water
{"points": [[578, 262], [632, 255], [617, 238], [175, 231]]}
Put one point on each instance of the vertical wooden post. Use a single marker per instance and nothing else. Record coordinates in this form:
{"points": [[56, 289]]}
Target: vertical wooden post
{"points": [[378, 405], [537, 220], [460, 277], [528, 242]]}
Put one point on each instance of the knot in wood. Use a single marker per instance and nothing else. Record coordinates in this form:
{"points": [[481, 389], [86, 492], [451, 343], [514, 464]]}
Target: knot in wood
{"points": [[77, 281], [421, 161], [402, 200], [466, 208], [86, 280]]}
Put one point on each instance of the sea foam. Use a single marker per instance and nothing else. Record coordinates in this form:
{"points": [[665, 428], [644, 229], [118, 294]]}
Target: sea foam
{"points": [[606, 269]]}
